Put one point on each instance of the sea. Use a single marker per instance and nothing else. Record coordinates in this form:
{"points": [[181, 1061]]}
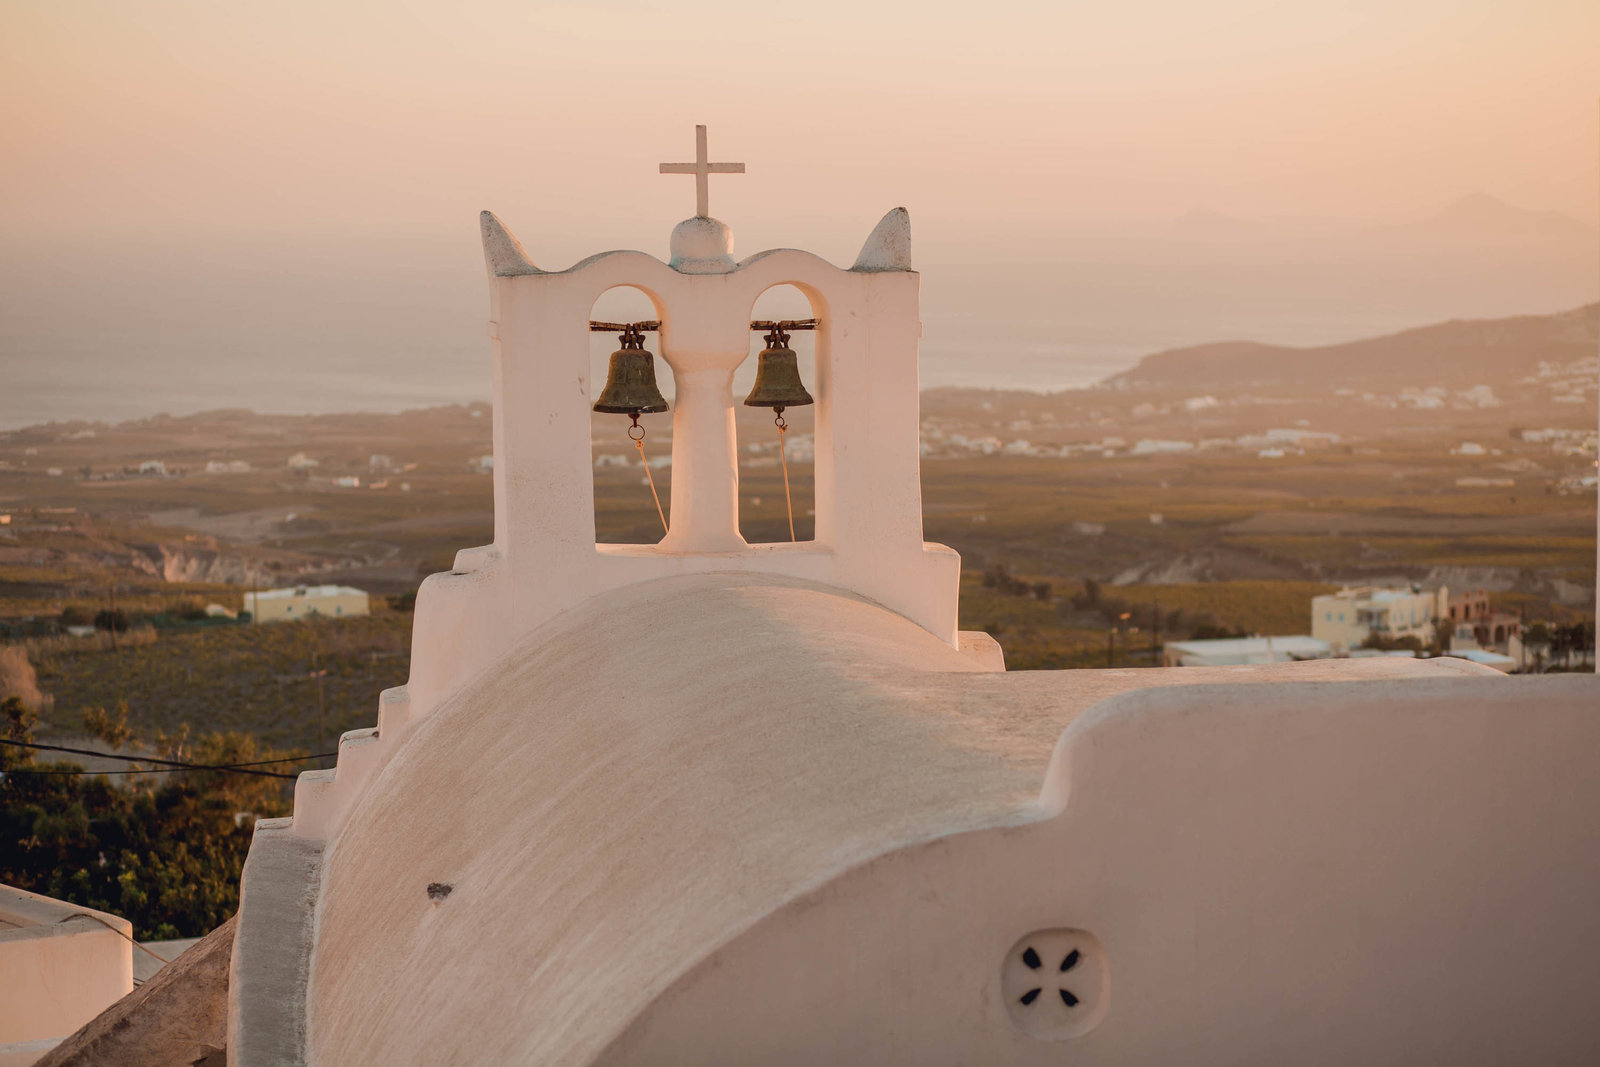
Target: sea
{"points": [[109, 375], [117, 341]]}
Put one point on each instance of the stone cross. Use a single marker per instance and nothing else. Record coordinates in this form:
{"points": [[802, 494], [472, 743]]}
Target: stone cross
{"points": [[702, 172]]}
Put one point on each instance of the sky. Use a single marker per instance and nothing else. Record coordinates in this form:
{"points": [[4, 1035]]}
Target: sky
{"points": [[222, 195]]}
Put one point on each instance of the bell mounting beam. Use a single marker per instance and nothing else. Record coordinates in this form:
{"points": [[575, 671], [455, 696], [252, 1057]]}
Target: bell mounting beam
{"points": [[650, 325], [702, 171]]}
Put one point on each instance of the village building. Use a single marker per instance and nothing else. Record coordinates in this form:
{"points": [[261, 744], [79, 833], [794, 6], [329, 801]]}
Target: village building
{"points": [[708, 801], [1494, 660], [1346, 619], [60, 966], [1234, 651], [304, 602], [1478, 625]]}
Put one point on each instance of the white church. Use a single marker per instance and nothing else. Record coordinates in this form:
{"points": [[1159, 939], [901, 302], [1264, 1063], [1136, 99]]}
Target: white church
{"points": [[711, 802]]}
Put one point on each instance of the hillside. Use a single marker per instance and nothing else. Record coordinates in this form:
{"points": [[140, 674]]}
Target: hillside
{"points": [[1495, 352]]}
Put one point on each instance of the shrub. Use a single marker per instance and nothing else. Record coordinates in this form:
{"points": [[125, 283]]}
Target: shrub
{"points": [[1409, 642], [72, 615], [111, 619], [19, 682]]}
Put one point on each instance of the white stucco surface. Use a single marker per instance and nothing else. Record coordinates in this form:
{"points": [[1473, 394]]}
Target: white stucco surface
{"points": [[60, 966], [1373, 873], [707, 801], [673, 769], [544, 559]]}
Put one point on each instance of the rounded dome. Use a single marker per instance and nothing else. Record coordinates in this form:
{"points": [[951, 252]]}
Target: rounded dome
{"points": [[702, 246]]}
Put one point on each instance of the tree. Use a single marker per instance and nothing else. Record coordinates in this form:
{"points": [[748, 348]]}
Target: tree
{"points": [[1444, 628], [163, 850], [112, 619], [1536, 639], [1089, 597], [73, 615]]}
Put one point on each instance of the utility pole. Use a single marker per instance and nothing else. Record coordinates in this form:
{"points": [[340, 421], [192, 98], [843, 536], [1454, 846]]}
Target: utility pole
{"points": [[322, 707], [112, 621], [322, 711], [1111, 638], [1155, 639]]}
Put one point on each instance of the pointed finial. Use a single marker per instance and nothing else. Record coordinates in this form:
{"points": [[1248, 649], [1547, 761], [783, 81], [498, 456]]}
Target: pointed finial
{"points": [[502, 250], [888, 247]]}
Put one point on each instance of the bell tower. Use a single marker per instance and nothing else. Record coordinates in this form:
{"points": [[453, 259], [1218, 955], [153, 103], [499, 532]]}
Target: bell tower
{"points": [[868, 498]]}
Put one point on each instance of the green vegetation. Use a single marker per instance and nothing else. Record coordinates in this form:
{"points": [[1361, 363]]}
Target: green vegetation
{"points": [[1043, 625], [294, 685], [1256, 607], [162, 850]]}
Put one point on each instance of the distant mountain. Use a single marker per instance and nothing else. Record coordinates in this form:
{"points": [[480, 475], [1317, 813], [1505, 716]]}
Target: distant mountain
{"points": [[1481, 219], [1459, 353]]}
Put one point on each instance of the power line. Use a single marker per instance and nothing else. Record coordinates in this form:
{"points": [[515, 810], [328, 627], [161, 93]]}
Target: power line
{"points": [[223, 769], [86, 915], [236, 768]]}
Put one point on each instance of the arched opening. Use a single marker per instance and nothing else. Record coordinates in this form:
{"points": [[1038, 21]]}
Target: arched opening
{"points": [[764, 507], [625, 510]]}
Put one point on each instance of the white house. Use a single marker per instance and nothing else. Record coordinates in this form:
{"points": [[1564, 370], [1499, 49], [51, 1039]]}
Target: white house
{"points": [[1232, 651], [1347, 618], [1496, 660], [305, 601], [60, 966]]}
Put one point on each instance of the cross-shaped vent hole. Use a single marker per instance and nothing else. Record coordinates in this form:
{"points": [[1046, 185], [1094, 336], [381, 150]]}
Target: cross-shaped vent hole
{"points": [[1066, 962]]}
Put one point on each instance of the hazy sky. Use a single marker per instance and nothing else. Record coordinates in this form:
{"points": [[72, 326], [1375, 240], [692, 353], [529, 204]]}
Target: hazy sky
{"points": [[170, 159]]}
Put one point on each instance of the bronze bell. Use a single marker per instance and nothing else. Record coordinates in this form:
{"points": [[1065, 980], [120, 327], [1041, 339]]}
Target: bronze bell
{"points": [[778, 383], [631, 380]]}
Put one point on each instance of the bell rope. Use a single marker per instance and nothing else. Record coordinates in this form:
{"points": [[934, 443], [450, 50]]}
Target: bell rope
{"points": [[783, 458], [638, 442]]}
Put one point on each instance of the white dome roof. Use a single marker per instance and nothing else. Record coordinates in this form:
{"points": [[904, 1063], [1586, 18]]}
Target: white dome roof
{"points": [[645, 778]]}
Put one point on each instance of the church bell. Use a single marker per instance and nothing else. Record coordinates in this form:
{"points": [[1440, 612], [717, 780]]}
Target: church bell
{"points": [[631, 380], [778, 384]]}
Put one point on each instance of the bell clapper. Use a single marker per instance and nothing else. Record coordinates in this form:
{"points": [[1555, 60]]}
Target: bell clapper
{"points": [[638, 442]]}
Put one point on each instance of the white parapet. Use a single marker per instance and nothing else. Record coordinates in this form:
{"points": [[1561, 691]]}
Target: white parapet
{"points": [[60, 966]]}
